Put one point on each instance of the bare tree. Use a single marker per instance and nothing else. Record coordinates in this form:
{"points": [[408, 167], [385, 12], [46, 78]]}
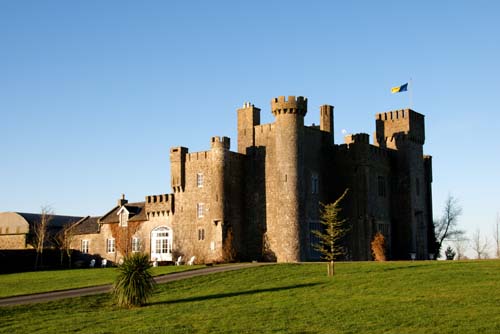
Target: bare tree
{"points": [[446, 228], [496, 236], [479, 245], [40, 233], [461, 245], [63, 240]]}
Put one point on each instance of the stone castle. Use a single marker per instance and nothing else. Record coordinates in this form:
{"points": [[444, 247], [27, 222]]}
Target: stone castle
{"points": [[262, 202]]}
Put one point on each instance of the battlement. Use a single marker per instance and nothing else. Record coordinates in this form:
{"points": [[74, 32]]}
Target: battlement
{"points": [[357, 138], [407, 114], [163, 198], [223, 142], [160, 203], [292, 105]]}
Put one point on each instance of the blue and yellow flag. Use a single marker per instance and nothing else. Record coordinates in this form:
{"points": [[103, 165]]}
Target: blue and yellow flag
{"points": [[399, 89]]}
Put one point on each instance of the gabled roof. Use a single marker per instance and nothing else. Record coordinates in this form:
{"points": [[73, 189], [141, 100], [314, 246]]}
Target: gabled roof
{"points": [[86, 225], [137, 212]]}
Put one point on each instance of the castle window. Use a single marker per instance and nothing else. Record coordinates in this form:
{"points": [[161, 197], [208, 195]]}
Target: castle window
{"points": [[199, 180], [381, 186], [201, 234], [136, 244], [110, 245], [417, 186], [199, 210], [85, 247], [314, 183]]}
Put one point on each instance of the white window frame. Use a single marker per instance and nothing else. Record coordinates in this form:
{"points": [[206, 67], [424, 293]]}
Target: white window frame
{"points": [[161, 244], [136, 244], [84, 247], [199, 210], [110, 245], [199, 180]]}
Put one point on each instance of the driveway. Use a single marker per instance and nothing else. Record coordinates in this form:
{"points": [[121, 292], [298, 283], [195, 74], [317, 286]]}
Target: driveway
{"points": [[94, 290]]}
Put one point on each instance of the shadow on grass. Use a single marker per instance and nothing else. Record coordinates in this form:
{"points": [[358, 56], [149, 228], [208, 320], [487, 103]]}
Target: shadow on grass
{"points": [[233, 294], [409, 266]]}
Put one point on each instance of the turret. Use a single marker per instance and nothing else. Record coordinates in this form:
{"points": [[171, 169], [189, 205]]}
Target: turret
{"points": [[289, 137], [178, 168], [248, 118], [219, 154], [326, 121]]}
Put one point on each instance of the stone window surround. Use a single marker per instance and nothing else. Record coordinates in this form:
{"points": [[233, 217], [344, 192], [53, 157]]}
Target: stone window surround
{"points": [[199, 180], [85, 246], [199, 210], [136, 244], [110, 245]]}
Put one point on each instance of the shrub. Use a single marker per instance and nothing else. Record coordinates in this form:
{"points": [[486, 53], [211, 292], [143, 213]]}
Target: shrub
{"points": [[450, 253], [134, 283], [378, 247]]}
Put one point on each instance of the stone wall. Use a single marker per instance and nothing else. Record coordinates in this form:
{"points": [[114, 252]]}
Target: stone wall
{"points": [[13, 241]]}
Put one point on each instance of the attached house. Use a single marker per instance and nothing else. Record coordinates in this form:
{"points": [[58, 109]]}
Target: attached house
{"points": [[128, 228]]}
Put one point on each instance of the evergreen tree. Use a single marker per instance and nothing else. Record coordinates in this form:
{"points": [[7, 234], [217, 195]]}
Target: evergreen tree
{"points": [[330, 239]]}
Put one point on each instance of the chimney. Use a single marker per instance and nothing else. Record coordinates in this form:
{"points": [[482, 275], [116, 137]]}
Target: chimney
{"points": [[122, 201]]}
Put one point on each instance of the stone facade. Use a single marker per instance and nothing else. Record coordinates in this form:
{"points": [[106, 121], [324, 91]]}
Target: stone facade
{"points": [[262, 202]]}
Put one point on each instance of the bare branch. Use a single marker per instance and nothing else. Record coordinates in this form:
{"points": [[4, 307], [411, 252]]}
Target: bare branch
{"points": [[479, 245], [447, 227]]}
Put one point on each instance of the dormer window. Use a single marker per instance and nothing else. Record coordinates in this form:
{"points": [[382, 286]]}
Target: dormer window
{"points": [[123, 215]]}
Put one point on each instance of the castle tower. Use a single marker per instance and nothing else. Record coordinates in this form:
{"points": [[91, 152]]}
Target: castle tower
{"points": [[284, 233], [326, 121], [403, 130], [178, 168], [219, 155], [248, 118]]}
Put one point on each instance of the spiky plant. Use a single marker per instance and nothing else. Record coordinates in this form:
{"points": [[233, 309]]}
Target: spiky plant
{"points": [[134, 283]]}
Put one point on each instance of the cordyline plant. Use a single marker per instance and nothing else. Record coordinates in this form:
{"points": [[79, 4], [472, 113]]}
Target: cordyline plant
{"points": [[134, 284], [334, 230]]}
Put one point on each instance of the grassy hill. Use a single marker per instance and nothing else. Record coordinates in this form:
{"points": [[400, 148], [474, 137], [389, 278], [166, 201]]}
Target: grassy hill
{"points": [[393, 297]]}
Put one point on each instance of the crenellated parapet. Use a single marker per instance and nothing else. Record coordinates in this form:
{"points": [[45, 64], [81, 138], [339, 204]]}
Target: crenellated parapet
{"points": [[160, 203], [293, 105], [220, 142]]}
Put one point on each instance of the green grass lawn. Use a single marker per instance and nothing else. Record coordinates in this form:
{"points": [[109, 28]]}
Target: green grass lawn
{"points": [[393, 297], [43, 281]]}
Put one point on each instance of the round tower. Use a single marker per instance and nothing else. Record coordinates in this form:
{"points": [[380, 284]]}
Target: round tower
{"points": [[284, 233], [219, 152]]}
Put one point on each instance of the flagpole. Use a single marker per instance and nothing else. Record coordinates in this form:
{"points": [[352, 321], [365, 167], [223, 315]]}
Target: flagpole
{"points": [[410, 93]]}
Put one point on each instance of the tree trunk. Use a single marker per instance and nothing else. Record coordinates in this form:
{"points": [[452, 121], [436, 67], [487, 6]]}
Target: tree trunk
{"points": [[330, 269]]}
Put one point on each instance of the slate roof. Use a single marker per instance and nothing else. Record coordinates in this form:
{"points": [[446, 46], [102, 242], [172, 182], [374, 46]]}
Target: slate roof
{"points": [[55, 222], [87, 225], [137, 212]]}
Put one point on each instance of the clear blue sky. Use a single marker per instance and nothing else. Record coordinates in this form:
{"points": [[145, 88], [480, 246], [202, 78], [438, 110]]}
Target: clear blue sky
{"points": [[94, 93]]}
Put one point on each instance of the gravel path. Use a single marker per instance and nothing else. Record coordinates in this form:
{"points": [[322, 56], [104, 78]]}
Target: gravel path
{"points": [[93, 290]]}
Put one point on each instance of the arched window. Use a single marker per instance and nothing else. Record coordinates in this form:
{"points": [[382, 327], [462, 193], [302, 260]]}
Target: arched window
{"points": [[161, 244]]}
